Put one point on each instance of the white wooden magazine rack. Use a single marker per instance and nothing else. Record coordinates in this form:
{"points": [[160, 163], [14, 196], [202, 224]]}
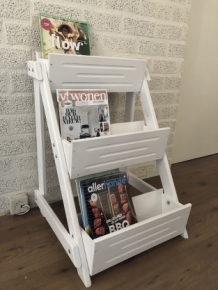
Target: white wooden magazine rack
{"points": [[160, 215]]}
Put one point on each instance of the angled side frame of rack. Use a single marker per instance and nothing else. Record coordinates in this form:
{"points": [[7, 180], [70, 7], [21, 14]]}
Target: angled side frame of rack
{"points": [[137, 144]]}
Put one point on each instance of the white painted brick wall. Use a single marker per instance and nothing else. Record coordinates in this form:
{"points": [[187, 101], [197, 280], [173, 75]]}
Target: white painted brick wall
{"points": [[152, 47], [155, 30]]}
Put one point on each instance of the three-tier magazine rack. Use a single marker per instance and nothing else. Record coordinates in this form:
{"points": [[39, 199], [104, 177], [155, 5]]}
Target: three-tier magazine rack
{"points": [[160, 215]]}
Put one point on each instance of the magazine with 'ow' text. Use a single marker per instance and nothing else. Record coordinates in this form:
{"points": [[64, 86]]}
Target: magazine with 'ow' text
{"points": [[63, 35]]}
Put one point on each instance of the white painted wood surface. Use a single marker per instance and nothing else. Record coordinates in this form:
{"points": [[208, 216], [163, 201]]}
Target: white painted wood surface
{"points": [[153, 228], [92, 155], [130, 107], [65, 185], [127, 127], [34, 70], [40, 138], [82, 72], [139, 184]]}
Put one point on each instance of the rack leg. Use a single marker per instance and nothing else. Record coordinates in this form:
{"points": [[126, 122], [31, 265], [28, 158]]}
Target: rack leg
{"points": [[130, 107], [63, 236], [84, 276], [62, 172], [40, 138], [185, 234]]}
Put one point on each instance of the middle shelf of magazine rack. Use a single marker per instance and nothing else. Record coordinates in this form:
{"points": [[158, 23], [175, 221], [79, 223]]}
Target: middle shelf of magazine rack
{"points": [[159, 219], [129, 143]]}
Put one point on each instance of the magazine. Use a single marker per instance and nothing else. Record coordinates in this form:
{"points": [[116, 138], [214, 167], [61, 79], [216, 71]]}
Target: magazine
{"points": [[63, 35], [83, 113], [106, 204], [90, 176]]}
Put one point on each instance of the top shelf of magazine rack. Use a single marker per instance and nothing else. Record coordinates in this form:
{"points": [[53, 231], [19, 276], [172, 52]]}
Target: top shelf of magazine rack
{"points": [[81, 72]]}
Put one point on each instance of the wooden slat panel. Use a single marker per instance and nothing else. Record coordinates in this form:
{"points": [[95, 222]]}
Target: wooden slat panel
{"points": [[149, 232], [138, 238], [116, 151], [79, 72]]}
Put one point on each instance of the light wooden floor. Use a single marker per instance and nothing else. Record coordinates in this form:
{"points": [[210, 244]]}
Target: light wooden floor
{"points": [[32, 258]]}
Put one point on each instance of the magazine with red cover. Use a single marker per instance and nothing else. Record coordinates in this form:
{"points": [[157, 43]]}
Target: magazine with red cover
{"points": [[63, 35], [106, 204]]}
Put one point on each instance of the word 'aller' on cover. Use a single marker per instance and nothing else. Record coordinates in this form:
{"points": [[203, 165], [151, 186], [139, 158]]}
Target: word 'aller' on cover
{"points": [[106, 205], [83, 113], [63, 35]]}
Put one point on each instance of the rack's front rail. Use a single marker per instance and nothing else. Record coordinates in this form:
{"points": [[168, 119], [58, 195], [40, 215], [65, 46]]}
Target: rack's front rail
{"points": [[160, 219], [94, 155]]}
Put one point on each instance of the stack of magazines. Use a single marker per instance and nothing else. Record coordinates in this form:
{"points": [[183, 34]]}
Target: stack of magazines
{"points": [[105, 203]]}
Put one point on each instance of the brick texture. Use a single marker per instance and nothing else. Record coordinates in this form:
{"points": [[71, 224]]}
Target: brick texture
{"points": [[152, 30], [19, 9]]}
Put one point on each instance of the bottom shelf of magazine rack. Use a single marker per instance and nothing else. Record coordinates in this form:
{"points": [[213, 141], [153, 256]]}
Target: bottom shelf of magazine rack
{"points": [[159, 219]]}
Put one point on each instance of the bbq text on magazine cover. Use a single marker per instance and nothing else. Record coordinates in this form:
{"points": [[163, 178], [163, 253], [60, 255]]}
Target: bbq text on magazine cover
{"points": [[83, 113], [62, 35], [107, 204]]}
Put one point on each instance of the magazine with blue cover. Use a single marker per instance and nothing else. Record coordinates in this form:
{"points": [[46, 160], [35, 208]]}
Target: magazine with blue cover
{"points": [[82, 203], [106, 204]]}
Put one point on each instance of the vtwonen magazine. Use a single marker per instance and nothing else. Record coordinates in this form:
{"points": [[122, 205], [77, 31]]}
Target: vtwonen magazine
{"points": [[83, 113]]}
